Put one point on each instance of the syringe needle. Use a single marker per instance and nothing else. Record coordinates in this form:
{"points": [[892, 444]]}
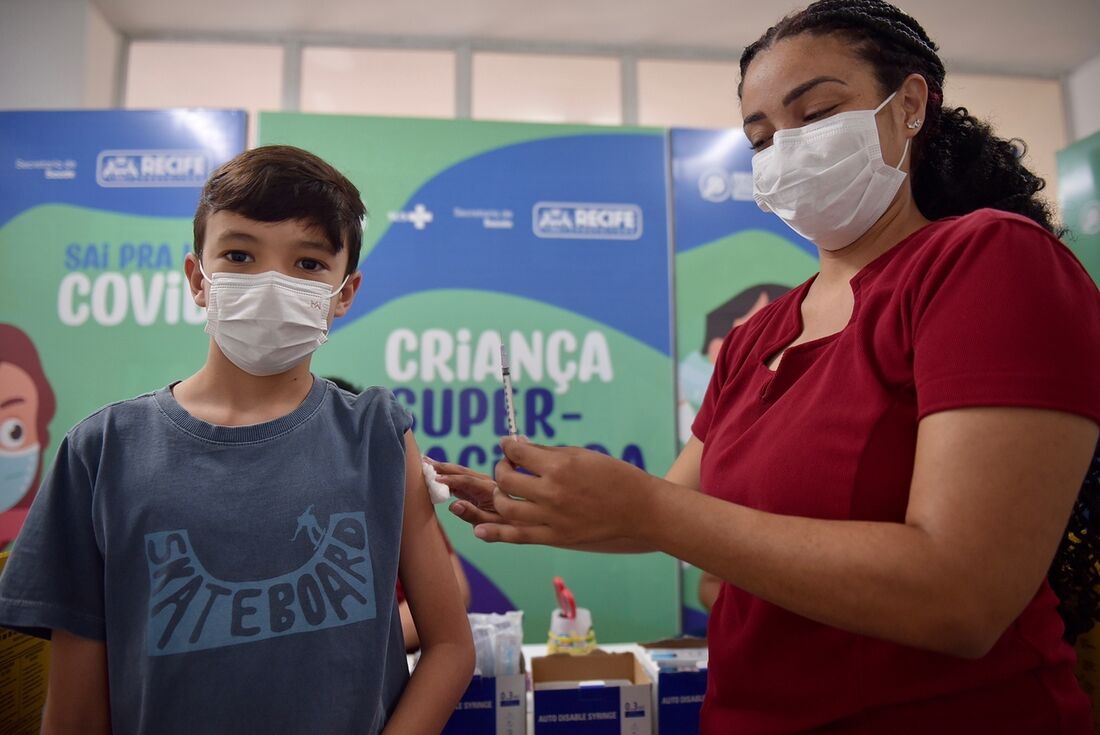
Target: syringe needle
{"points": [[509, 403]]}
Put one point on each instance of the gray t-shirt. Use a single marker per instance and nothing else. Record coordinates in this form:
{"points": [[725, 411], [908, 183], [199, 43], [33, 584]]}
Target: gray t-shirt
{"points": [[242, 577]]}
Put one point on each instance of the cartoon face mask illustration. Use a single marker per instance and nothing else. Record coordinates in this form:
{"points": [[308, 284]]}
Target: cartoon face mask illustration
{"points": [[17, 471], [27, 406]]}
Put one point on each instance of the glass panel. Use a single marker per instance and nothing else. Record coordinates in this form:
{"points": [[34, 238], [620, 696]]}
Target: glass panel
{"points": [[534, 88], [378, 82], [695, 94], [221, 75]]}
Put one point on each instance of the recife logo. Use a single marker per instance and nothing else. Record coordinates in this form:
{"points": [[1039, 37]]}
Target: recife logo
{"points": [[151, 168], [587, 221]]}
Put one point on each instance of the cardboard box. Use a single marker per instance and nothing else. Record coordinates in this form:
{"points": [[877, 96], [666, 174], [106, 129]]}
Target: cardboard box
{"points": [[679, 683], [597, 694], [492, 705], [24, 673]]}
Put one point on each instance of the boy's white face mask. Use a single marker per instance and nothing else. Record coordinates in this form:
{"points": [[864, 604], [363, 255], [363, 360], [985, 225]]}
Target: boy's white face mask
{"points": [[827, 180], [266, 323]]}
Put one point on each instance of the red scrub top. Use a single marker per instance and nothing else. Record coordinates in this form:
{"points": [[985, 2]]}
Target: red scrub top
{"points": [[982, 310]]}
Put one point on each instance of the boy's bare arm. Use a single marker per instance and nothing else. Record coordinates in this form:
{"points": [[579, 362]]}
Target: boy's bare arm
{"points": [[447, 648], [408, 625], [77, 700]]}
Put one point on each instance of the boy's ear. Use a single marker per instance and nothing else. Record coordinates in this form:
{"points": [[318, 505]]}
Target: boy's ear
{"points": [[194, 279], [347, 294]]}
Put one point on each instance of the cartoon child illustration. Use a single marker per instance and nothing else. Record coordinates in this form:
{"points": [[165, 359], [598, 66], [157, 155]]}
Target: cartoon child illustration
{"points": [[696, 367], [27, 405]]}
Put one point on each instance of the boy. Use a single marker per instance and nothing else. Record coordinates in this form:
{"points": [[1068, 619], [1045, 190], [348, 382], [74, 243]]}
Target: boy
{"points": [[221, 555]]}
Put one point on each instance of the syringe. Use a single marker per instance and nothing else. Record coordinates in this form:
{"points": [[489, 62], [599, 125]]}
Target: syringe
{"points": [[509, 403]]}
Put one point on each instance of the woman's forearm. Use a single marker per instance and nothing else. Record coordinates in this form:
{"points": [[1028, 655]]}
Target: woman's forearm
{"points": [[884, 580], [988, 501], [615, 546]]}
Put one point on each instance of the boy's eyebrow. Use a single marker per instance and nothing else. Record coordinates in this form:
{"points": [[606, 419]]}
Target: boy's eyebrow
{"points": [[319, 245], [230, 235], [13, 401], [237, 235]]}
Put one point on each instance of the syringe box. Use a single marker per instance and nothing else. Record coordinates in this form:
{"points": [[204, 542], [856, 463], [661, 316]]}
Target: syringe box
{"points": [[679, 672], [492, 705], [595, 694]]}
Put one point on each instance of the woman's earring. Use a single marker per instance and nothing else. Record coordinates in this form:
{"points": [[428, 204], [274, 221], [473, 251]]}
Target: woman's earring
{"points": [[913, 125]]}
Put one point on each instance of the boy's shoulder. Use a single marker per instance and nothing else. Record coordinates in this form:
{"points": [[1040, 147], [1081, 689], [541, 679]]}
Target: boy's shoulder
{"points": [[115, 415], [361, 400], [352, 395], [375, 402]]}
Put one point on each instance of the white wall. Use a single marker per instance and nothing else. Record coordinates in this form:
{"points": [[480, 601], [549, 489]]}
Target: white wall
{"points": [[358, 81], [1083, 91], [41, 53], [64, 54], [56, 54], [102, 45], [700, 94], [232, 76], [547, 88]]}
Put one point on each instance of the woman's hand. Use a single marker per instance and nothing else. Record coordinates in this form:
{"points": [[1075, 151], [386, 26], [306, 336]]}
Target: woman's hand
{"points": [[473, 489], [563, 496]]}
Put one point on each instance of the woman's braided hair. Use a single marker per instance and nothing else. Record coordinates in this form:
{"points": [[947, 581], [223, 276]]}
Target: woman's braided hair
{"points": [[959, 165]]}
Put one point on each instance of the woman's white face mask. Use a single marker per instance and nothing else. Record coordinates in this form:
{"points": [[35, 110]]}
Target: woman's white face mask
{"points": [[828, 180]]}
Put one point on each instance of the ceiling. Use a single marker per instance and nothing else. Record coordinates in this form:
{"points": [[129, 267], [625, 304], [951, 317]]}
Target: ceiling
{"points": [[1041, 38]]}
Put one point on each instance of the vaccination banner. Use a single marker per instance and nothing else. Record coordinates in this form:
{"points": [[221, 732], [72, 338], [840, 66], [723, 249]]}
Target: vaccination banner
{"points": [[95, 220], [1079, 190], [552, 240], [731, 259]]}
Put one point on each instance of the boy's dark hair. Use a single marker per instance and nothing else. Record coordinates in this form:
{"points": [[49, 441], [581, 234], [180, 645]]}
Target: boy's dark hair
{"points": [[277, 183]]}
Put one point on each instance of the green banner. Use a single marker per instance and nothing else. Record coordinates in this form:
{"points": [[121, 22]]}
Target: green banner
{"points": [[553, 241], [1079, 192], [95, 220]]}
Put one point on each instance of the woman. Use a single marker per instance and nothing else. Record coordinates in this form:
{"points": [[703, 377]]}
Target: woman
{"points": [[888, 454]]}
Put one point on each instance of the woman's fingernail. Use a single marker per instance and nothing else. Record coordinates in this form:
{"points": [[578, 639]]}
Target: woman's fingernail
{"points": [[481, 532], [458, 508]]}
